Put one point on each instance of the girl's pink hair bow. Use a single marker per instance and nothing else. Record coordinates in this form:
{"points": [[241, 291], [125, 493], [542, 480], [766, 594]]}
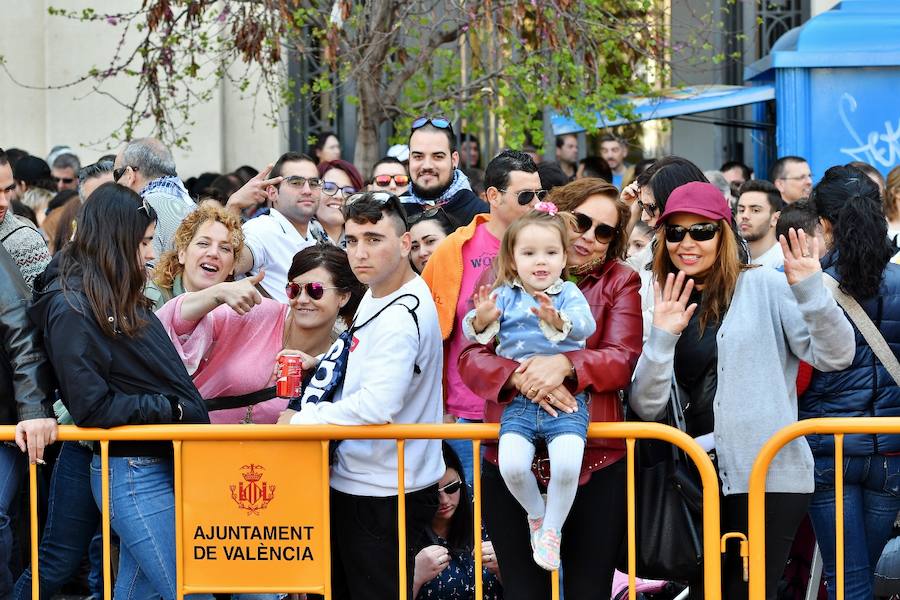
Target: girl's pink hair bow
{"points": [[547, 207]]}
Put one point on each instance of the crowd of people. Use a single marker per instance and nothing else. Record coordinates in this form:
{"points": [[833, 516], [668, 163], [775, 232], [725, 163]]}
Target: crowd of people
{"points": [[443, 286]]}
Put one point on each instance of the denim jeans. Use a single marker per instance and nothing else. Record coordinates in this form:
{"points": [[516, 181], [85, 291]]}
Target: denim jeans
{"points": [[142, 512], [72, 521], [12, 466], [871, 503], [463, 449]]}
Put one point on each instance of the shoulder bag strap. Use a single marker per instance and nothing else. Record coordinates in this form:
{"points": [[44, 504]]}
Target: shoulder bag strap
{"points": [[866, 327]]}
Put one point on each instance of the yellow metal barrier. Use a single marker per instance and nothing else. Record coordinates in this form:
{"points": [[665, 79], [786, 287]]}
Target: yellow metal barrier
{"points": [[838, 427], [177, 434]]}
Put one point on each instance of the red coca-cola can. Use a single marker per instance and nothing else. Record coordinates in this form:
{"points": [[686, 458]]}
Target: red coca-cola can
{"points": [[290, 381]]}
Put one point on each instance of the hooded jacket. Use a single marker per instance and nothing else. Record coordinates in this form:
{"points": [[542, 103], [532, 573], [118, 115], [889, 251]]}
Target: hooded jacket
{"points": [[26, 379], [110, 381]]}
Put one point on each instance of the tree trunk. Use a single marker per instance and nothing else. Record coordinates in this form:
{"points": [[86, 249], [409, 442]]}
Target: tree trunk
{"points": [[368, 120]]}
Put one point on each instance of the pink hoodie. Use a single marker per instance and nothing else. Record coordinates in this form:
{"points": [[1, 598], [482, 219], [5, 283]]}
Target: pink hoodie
{"points": [[227, 354]]}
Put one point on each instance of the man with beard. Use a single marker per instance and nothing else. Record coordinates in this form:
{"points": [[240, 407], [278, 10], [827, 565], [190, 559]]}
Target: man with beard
{"points": [[758, 209], [436, 178]]}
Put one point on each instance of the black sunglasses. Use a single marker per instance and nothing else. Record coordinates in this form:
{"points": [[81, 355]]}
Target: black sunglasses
{"points": [[525, 196], [117, 173], [65, 180], [650, 209], [429, 213], [314, 289], [699, 232], [439, 122], [451, 488], [602, 232]]}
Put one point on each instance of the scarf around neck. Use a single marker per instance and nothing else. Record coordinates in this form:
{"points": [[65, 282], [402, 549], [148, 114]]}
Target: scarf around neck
{"points": [[459, 182]]}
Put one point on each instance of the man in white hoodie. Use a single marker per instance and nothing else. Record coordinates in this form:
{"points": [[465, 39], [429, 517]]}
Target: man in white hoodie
{"points": [[393, 375]]}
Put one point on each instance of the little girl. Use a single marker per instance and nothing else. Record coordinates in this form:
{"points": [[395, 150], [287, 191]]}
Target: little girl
{"points": [[532, 311]]}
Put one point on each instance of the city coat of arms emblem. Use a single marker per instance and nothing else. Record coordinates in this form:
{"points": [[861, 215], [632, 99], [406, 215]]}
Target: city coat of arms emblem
{"points": [[253, 494]]}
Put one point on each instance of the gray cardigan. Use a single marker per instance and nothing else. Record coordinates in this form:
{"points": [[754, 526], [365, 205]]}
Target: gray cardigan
{"points": [[769, 327]]}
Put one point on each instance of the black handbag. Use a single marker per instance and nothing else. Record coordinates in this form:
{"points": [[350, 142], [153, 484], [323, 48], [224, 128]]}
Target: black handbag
{"points": [[669, 507]]}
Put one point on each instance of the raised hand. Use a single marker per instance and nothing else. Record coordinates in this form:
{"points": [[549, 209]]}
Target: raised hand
{"points": [[546, 311], [671, 312], [486, 311], [801, 255], [253, 192], [631, 193]]}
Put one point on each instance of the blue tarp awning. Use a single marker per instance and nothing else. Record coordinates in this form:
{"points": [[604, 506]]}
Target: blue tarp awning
{"points": [[674, 103]]}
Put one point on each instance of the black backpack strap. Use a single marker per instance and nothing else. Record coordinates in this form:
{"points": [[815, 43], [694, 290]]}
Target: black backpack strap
{"points": [[410, 310], [225, 402], [13, 231]]}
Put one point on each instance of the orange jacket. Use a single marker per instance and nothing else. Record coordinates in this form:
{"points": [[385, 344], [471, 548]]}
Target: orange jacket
{"points": [[444, 271]]}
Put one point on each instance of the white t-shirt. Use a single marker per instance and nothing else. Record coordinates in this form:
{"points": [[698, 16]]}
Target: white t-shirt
{"points": [[381, 386], [273, 241], [773, 257]]}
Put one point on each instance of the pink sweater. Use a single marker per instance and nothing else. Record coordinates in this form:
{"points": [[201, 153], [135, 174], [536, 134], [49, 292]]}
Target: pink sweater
{"points": [[228, 355]]}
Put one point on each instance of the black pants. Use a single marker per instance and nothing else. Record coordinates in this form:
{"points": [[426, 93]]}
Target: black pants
{"points": [[591, 537], [784, 512], [364, 553]]}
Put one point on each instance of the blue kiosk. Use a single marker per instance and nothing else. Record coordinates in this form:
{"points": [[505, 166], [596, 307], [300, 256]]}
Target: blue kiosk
{"points": [[837, 88]]}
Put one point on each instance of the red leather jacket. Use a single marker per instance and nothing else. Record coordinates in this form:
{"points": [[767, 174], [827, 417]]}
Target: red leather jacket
{"points": [[604, 367]]}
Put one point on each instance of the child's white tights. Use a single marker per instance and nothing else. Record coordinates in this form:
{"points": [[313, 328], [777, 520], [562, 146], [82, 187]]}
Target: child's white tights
{"points": [[566, 453]]}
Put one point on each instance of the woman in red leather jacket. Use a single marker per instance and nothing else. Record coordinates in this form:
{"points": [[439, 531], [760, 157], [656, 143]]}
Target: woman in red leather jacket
{"points": [[595, 527]]}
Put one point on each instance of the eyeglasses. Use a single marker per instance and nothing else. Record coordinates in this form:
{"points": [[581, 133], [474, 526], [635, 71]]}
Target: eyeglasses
{"points": [[650, 209], [65, 180], [525, 196], [451, 488], [798, 177], [699, 232], [314, 289], [439, 122], [331, 188], [298, 182], [144, 206], [117, 173], [385, 180], [602, 232]]}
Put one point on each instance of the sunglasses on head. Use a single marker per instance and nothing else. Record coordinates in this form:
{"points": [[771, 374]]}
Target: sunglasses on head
{"points": [[380, 198], [385, 180], [298, 182], [602, 232], [451, 488], [525, 196], [331, 188], [428, 213], [314, 289], [699, 232], [439, 122]]}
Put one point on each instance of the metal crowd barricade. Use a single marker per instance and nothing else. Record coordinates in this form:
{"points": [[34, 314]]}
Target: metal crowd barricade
{"points": [[838, 427], [177, 434]]}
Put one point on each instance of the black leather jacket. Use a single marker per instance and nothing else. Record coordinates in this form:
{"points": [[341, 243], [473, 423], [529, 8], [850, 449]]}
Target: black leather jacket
{"points": [[26, 378]]}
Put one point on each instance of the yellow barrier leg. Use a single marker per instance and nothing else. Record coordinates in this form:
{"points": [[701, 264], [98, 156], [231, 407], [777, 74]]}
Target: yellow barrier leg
{"points": [[401, 514], [32, 508], [326, 502], [104, 509], [839, 512], [179, 523], [476, 493], [632, 534]]}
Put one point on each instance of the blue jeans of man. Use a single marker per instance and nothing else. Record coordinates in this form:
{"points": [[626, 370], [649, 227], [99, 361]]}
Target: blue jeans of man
{"points": [[142, 512], [871, 503], [12, 466], [72, 521]]}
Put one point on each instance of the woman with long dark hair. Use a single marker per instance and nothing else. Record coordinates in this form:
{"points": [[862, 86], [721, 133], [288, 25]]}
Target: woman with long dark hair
{"points": [[732, 336], [445, 569], [116, 366], [859, 254]]}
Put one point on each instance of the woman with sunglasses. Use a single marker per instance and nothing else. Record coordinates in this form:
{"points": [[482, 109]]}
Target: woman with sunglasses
{"points": [[732, 337], [215, 330], [340, 180], [595, 527], [445, 570], [859, 254], [115, 366]]}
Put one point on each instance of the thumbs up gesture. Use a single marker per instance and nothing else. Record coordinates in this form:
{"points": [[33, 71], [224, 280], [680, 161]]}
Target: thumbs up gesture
{"points": [[241, 295]]}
